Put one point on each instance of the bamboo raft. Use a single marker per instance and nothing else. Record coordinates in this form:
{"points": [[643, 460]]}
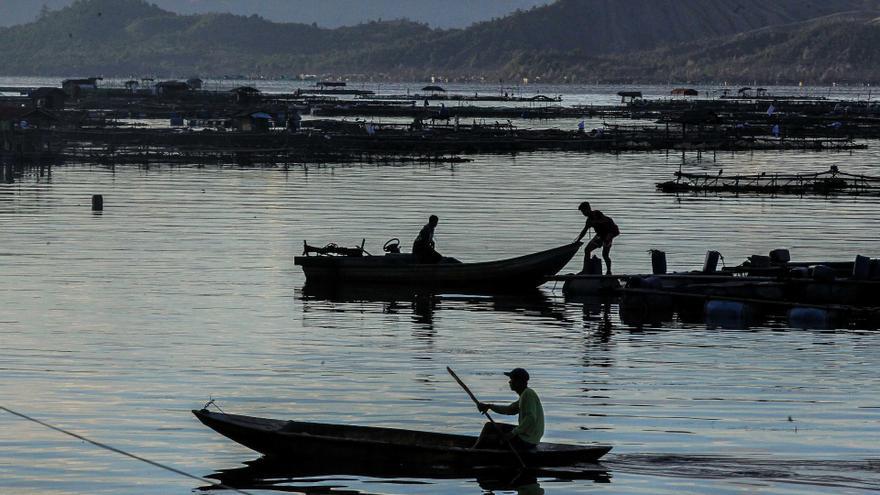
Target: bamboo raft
{"points": [[832, 181]]}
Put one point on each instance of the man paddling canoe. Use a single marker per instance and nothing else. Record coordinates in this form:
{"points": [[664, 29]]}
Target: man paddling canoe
{"points": [[530, 428]]}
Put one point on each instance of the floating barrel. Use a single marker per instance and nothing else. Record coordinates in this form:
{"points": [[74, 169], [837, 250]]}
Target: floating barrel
{"points": [[861, 268], [97, 202], [728, 313], [658, 262], [711, 263], [810, 318], [780, 256], [653, 283]]}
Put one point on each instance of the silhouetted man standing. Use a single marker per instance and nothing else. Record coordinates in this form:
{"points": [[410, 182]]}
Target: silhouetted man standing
{"points": [[606, 230]]}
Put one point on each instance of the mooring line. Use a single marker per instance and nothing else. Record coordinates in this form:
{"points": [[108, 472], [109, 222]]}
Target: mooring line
{"points": [[120, 451]]}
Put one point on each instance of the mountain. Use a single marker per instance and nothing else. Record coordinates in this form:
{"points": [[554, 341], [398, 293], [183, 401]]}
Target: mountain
{"points": [[581, 30], [567, 41], [835, 48], [620, 26], [333, 13], [121, 37]]}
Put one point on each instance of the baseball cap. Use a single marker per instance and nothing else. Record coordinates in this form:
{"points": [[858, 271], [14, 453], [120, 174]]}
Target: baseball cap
{"points": [[518, 374]]}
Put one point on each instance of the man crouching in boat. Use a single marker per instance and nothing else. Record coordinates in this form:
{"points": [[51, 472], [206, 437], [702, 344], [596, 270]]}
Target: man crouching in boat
{"points": [[423, 246], [527, 434]]}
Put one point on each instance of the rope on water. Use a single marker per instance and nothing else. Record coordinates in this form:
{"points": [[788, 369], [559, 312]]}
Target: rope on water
{"points": [[120, 451]]}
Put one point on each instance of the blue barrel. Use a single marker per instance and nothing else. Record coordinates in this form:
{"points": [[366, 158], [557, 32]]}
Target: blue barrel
{"points": [[658, 262], [644, 283], [731, 314], [809, 318], [726, 309]]}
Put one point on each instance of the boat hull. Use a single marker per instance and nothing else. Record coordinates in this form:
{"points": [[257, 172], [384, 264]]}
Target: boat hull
{"points": [[295, 441], [519, 273]]}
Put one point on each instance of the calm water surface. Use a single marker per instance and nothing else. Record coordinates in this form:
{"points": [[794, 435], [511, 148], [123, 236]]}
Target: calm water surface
{"points": [[115, 325]]}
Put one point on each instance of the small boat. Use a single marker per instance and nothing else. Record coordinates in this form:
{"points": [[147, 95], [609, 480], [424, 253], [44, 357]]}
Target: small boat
{"points": [[403, 269], [303, 441]]}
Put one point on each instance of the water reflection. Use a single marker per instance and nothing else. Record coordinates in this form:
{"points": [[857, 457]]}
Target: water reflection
{"points": [[322, 478], [425, 304], [659, 310], [845, 475], [598, 328], [641, 310]]}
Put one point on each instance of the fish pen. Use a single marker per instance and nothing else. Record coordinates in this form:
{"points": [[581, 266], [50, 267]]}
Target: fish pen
{"points": [[832, 181]]}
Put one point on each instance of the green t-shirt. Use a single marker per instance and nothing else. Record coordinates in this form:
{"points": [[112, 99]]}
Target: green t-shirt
{"points": [[531, 416]]}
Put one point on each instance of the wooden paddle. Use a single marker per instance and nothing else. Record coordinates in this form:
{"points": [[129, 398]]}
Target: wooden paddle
{"points": [[486, 412]]}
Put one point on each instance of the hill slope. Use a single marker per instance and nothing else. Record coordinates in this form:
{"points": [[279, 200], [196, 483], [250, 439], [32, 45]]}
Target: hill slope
{"points": [[619, 26], [335, 13], [837, 48], [120, 37], [570, 40]]}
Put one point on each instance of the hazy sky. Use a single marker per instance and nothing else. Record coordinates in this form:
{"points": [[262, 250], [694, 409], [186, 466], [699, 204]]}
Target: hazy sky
{"points": [[328, 13]]}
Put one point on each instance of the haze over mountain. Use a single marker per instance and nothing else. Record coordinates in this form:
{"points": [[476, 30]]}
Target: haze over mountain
{"points": [[326, 13], [567, 41]]}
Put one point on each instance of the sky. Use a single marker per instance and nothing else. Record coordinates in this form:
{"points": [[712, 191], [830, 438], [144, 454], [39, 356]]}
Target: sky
{"points": [[326, 13]]}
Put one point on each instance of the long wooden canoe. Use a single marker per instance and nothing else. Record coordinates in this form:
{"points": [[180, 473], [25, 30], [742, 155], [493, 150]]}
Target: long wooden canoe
{"points": [[510, 274], [304, 441]]}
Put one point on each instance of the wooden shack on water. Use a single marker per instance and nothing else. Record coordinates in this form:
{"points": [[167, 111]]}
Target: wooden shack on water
{"points": [[632, 95], [171, 89], [75, 87], [48, 98], [245, 94], [252, 121]]}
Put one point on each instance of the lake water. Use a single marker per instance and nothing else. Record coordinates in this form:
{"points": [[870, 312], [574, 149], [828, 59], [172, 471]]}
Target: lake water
{"points": [[114, 325]]}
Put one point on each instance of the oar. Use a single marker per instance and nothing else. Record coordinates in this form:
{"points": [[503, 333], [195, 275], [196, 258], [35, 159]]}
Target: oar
{"points": [[486, 412]]}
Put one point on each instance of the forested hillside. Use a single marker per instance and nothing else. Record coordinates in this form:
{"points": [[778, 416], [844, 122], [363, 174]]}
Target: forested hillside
{"points": [[568, 41]]}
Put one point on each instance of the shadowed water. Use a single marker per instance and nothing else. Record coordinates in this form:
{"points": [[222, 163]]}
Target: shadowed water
{"points": [[115, 324]]}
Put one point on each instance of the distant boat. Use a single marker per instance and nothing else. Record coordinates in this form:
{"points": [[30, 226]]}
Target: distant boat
{"points": [[512, 274], [299, 440]]}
